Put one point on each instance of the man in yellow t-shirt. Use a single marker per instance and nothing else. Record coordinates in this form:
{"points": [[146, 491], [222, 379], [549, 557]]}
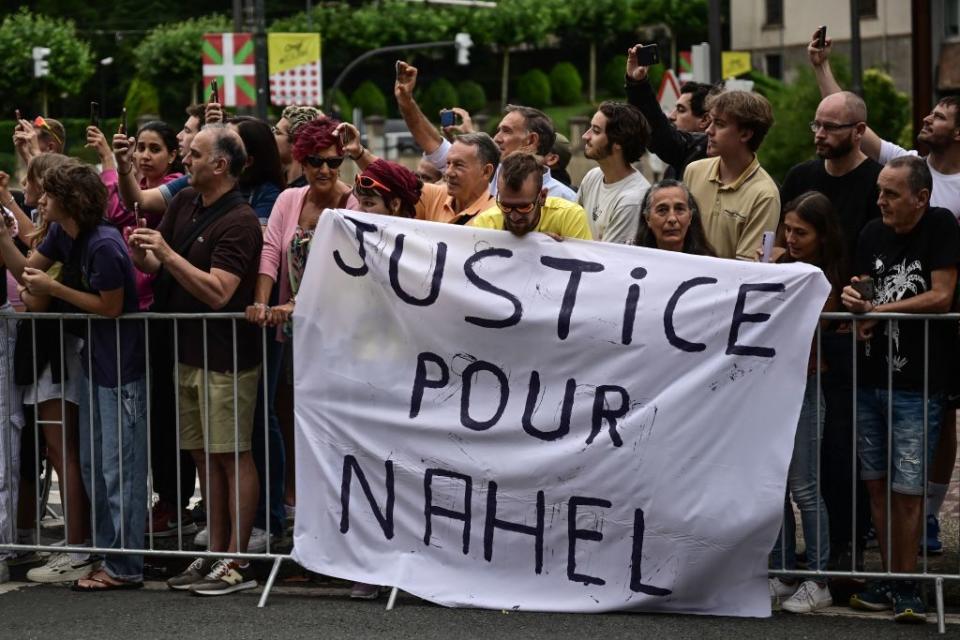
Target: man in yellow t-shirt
{"points": [[523, 205]]}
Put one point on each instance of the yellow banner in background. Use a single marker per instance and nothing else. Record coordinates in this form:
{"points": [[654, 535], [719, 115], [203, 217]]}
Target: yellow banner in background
{"points": [[734, 63], [289, 50]]}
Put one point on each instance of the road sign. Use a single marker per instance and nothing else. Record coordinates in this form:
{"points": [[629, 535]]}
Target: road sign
{"points": [[295, 75], [228, 57], [669, 91]]}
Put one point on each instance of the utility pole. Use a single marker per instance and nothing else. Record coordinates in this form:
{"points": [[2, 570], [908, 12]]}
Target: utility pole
{"points": [[856, 62], [260, 58], [716, 42]]}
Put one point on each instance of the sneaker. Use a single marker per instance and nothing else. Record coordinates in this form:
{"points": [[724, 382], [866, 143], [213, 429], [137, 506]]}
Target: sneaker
{"points": [[932, 539], [164, 522], [364, 591], [875, 597], [193, 574], [4, 572], [258, 541], [227, 576], [870, 540], [202, 539], [809, 597], [25, 557], [60, 568], [780, 590], [907, 605]]}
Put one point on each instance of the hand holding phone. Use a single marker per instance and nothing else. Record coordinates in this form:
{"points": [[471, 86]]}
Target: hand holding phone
{"points": [[448, 118], [866, 288], [648, 55], [822, 37], [141, 222]]}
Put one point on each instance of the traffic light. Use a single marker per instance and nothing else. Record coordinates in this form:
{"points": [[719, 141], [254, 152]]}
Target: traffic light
{"points": [[463, 42], [40, 65]]}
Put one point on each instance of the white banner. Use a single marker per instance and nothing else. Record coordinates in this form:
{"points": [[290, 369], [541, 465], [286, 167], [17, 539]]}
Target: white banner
{"points": [[520, 423]]}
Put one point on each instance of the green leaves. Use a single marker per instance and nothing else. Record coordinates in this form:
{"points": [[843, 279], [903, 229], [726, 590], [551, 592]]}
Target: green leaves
{"points": [[71, 61], [171, 52]]}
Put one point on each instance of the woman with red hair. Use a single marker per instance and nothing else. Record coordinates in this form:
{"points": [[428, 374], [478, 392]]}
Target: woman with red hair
{"points": [[388, 188]]}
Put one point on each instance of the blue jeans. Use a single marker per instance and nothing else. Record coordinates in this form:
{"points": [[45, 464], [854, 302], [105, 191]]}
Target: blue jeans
{"points": [[272, 487], [802, 485], [910, 465], [115, 470]]}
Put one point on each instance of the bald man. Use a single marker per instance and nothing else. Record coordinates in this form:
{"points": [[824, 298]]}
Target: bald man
{"points": [[841, 171], [848, 178]]}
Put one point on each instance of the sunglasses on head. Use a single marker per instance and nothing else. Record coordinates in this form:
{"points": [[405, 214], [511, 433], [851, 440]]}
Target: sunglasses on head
{"points": [[316, 162], [40, 123], [366, 182]]}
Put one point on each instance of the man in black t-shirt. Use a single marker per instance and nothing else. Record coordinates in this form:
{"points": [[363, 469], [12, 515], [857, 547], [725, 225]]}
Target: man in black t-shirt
{"points": [[912, 254], [844, 174], [841, 171]]}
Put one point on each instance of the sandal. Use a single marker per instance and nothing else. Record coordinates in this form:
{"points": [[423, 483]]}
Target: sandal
{"points": [[102, 581]]}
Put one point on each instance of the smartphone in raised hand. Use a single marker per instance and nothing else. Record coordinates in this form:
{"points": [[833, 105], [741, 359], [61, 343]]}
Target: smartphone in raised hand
{"points": [[214, 91], [648, 55], [822, 37], [95, 114], [16, 115], [122, 129]]}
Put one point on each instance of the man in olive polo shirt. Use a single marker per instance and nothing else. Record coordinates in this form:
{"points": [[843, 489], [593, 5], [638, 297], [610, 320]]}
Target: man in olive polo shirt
{"points": [[738, 199]]}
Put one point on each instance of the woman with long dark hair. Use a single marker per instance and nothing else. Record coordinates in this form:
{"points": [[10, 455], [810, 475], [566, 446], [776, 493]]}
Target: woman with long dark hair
{"points": [[812, 234], [670, 220]]}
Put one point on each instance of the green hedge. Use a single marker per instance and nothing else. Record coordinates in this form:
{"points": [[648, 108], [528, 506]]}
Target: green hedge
{"points": [[533, 89], [472, 96], [370, 99], [565, 84], [440, 94]]}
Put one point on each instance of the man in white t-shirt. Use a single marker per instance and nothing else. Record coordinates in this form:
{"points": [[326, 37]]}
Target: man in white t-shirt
{"points": [[940, 134], [612, 193]]}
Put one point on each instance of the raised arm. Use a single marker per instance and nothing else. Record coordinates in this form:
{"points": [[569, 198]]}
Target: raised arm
{"points": [[422, 129], [150, 200]]}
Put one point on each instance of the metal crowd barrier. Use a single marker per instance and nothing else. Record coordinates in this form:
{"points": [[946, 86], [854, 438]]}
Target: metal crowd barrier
{"points": [[150, 547]]}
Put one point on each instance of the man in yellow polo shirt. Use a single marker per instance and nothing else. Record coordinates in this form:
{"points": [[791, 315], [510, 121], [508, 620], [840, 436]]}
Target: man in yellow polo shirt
{"points": [[523, 205], [739, 201]]}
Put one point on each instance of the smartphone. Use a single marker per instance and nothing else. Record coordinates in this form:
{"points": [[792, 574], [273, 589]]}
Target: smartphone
{"points": [[398, 69], [16, 114], [768, 237], [343, 137], [865, 288], [122, 129], [648, 55], [141, 222], [448, 118], [822, 37], [214, 91], [95, 114]]}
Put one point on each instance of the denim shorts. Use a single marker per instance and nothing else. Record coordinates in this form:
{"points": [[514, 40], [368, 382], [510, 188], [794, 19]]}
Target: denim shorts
{"points": [[907, 436]]}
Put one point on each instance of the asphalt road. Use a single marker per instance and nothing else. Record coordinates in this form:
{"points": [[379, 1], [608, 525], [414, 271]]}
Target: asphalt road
{"points": [[54, 612]]}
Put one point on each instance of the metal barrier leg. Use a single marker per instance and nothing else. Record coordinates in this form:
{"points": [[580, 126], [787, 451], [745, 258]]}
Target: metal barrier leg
{"points": [[269, 585], [392, 600], [941, 622]]}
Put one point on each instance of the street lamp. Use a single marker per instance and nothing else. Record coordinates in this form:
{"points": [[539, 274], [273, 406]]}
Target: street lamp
{"points": [[104, 63]]}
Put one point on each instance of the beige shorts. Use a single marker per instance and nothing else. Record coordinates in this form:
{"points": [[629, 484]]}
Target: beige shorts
{"points": [[224, 434]]}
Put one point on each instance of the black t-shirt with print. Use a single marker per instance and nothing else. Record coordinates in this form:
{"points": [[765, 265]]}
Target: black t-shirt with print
{"points": [[901, 266]]}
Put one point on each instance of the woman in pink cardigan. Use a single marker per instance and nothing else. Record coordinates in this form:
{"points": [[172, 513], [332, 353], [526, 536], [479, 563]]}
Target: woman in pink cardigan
{"points": [[157, 163]]}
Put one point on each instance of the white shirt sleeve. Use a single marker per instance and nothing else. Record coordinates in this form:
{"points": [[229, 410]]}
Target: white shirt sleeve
{"points": [[439, 157], [889, 151]]}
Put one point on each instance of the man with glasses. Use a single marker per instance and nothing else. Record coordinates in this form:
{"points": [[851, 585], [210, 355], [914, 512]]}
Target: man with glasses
{"points": [[524, 206], [940, 135]]}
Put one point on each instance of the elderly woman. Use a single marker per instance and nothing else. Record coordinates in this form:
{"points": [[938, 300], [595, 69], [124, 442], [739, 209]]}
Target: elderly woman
{"points": [[670, 220], [286, 243]]}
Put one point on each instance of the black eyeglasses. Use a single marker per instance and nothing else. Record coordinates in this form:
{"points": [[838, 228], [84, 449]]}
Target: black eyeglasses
{"points": [[830, 126], [316, 162]]}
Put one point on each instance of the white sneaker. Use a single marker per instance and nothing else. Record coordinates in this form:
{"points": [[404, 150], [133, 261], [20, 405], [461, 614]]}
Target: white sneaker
{"points": [[4, 572], [809, 597], [60, 568], [780, 589], [202, 539], [258, 541]]}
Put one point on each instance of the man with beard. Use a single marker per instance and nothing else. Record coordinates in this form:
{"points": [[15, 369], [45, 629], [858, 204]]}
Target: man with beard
{"points": [[612, 193], [523, 204], [940, 135], [842, 172]]}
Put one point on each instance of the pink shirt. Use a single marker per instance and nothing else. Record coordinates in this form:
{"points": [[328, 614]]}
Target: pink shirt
{"points": [[122, 218], [281, 226]]}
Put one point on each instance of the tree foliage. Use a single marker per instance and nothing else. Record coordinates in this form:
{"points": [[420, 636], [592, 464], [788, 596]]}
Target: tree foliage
{"points": [[533, 89], [71, 60], [566, 84], [370, 99], [440, 94]]}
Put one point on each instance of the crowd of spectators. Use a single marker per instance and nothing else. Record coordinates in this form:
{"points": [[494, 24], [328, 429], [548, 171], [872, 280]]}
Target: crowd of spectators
{"points": [[219, 218]]}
